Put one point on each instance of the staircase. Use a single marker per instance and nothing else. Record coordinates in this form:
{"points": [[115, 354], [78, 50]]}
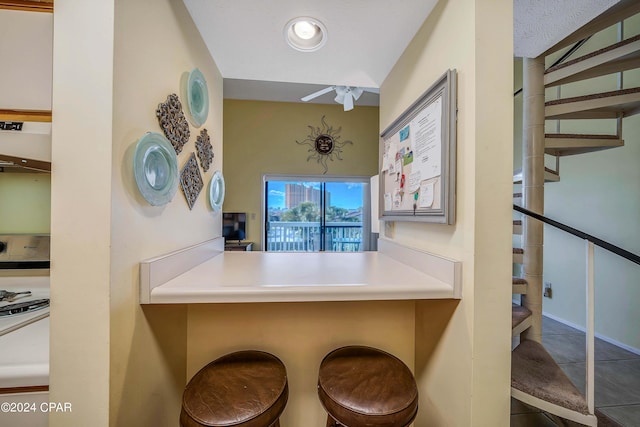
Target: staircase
{"points": [[536, 379]]}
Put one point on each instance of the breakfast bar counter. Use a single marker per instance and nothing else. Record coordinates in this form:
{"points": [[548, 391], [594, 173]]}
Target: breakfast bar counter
{"points": [[204, 273]]}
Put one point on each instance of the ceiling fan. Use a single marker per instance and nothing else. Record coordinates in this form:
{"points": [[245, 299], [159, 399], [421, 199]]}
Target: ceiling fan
{"points": [[345, 95]]}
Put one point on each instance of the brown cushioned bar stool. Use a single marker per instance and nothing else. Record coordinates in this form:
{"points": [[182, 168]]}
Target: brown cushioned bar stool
{"points": [[363, 386], [242, 389]]}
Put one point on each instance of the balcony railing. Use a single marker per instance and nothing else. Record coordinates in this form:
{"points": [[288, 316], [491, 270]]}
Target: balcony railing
{"points": [[289, 236]]}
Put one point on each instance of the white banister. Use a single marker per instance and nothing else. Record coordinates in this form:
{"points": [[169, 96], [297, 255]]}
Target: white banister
{"points": [[590, 365]]}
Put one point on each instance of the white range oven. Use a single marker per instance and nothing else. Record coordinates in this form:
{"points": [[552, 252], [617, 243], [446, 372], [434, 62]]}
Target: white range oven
{"points": [[21, 301], [24, 328]]}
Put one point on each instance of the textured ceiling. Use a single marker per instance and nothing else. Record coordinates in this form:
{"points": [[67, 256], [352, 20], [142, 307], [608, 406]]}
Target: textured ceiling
{"points": [[540, 24]]}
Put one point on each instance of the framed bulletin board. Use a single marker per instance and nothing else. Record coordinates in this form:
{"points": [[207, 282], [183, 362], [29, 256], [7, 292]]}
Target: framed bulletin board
{"points": [[418, 158]]}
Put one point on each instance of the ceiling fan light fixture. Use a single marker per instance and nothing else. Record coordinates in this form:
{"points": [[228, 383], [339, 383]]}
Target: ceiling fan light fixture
{"points": [[356, 92], [341, 91], [305, 34]]}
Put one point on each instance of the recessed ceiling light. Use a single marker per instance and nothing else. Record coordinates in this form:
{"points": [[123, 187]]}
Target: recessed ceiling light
{"points": [[305, 34]]}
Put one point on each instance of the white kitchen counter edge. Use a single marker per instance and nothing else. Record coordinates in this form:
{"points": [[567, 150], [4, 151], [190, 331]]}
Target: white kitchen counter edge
{"points": [[204, 273]]}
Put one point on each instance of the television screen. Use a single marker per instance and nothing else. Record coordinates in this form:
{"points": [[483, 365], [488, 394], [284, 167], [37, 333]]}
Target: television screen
{"points": [[234, 226]]}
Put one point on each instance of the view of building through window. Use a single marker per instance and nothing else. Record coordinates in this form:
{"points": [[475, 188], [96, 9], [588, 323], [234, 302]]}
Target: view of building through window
{"points": [[309, 216]]}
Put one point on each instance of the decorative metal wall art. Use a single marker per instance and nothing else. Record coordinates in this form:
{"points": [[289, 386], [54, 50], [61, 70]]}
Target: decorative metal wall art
{"points": [[191, 180], [205, 149], [173, 122], [324, 143]]}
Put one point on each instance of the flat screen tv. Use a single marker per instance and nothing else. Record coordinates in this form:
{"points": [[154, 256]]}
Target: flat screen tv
{"points": [[234, 226]]}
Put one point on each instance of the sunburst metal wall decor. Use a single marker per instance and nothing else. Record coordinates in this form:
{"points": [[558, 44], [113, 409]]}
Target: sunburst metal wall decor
{"points": [[205, 149], [173, 122], [324, 143], [191, 180]]}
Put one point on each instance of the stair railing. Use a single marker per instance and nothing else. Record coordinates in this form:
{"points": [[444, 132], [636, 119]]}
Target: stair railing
{"points": [[590, 243]]}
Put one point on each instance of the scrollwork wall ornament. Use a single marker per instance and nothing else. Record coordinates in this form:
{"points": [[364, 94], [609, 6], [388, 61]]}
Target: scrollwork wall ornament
{"points": [[191, 181], [205, 149], [173, 123], [324, 143]]}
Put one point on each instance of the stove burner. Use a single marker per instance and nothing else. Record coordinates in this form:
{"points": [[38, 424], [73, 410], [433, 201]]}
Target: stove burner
{"points": [[22, 307], [11, 296]]}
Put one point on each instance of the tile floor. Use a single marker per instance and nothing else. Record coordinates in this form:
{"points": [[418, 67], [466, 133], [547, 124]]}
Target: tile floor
{"points": [[617, 377]]}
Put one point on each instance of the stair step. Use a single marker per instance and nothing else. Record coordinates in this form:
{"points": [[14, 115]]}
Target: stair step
{"points": [[621, 56], [517, 226], [517, 199], [567, 144], [518, 255], [520, 319], [606, 105], [549, 176], [618, 12], [518, 285], [537, 380]]}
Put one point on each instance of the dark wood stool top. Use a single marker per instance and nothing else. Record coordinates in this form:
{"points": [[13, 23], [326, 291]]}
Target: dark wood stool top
{"points": [[242, 389], [363, 386]]}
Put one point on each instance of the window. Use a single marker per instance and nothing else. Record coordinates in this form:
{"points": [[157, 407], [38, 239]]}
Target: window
{"points": [[313, 214]]}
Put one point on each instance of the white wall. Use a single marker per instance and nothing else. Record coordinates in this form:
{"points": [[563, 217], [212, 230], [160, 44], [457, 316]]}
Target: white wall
{"points": [[26, 50], [598, 194]]}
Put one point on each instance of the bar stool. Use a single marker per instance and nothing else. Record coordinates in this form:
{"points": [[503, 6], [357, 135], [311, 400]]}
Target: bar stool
{"points": [[363, 386], [242, 389]]}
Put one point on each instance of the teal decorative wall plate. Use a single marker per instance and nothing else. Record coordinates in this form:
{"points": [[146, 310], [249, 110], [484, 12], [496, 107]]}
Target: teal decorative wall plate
{"points": [[155, 168]]}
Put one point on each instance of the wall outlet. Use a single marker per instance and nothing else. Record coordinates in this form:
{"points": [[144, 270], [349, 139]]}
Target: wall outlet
{"points": [[547, 290]]}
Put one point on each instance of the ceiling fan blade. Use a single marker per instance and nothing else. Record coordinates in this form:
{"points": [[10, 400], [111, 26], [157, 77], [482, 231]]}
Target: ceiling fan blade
{"points": [[340, 93], [356, 92], [371, 89], [348, 101], [317, 94]]}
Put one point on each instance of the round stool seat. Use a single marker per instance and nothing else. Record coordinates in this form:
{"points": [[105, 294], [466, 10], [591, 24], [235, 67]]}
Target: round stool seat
{"points": [[242, 389], [363, 386]]}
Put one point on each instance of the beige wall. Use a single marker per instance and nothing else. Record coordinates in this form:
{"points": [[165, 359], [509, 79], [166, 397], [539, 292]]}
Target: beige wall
{"points": [[119, 364], [129, 364], [462, 349], [300, 334], [260, 137], [26, 203], [81, 211]]}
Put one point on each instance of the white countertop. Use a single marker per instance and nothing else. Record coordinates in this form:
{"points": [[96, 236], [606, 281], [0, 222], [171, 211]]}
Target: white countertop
{"points": [[24, 355], [24, 359], [398, 273]]}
